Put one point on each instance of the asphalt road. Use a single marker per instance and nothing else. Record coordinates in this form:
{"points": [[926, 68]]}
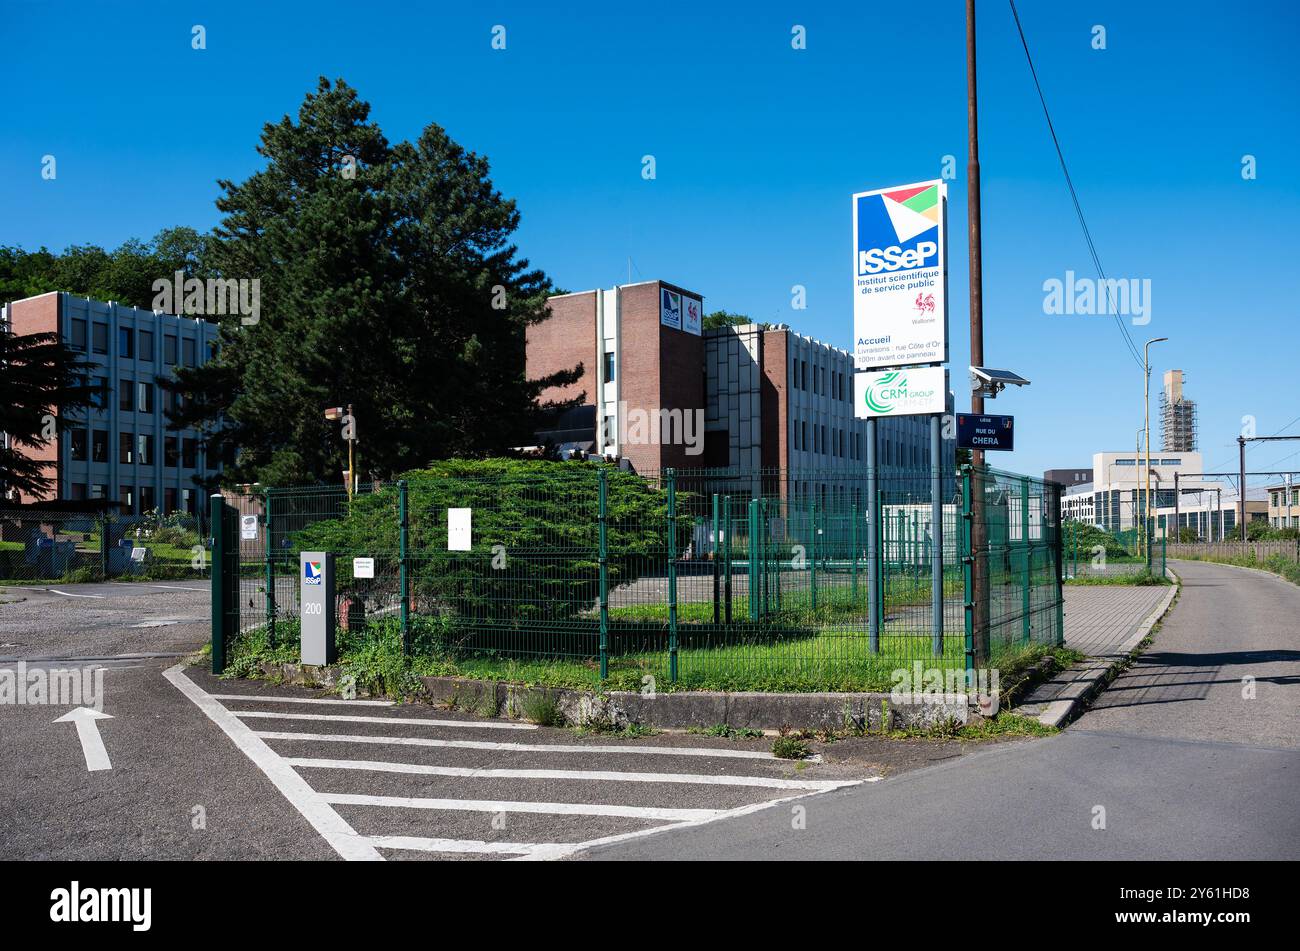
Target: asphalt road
{"points": [[1177, 758]]}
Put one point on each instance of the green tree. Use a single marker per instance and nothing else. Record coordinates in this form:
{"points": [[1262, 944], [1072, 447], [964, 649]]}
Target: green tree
{"points": [[723, 318], [42, 380], [388, 281]]}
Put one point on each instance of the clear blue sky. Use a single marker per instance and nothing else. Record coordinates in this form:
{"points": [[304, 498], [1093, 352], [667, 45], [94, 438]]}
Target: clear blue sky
{"points": [[758, 148]]}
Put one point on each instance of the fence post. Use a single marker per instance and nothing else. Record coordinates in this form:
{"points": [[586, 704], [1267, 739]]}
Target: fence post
{"points": [[1060, 570], [812, 532], [270, 575], [223, 581], [726, 555], [753, 559], [717, 577], [853, 548], [1027, 582], [602, 516], [672, 576], [103, 544], [968, 572], [403, 570]]}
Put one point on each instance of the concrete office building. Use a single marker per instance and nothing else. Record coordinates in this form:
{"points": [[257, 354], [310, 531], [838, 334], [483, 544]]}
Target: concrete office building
{"points": [[1284, 504], [761, 397], [1068, 477], [121, 450]]}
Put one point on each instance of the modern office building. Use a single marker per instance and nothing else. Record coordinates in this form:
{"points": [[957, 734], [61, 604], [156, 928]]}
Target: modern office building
{"points": [[744, 397], [1284, 504], [121, 450], [1068, 477]]}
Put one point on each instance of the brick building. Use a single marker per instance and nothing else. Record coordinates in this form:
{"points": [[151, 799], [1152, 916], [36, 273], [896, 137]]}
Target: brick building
{"points": [[765, 397]]}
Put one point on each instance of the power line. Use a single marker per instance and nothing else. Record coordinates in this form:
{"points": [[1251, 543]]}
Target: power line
{"points": [[1074, 196]]}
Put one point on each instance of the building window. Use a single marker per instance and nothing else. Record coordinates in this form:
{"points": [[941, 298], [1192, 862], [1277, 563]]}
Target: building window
{"points": [[609, 368], [144, 449], [100, 338], [77, 444], [78, 491], [126, 448], [78, 335], [144, 397], [126, 495], [99, 445], [171, 453], [146, 346], [187, 350], [169, 501], [126, 343], [823, 439], [803, 375], [100, 398], [98, 491], [187, 500], [126, 396], [190, 453], [804, 426], [169, 349], [147, 503]]}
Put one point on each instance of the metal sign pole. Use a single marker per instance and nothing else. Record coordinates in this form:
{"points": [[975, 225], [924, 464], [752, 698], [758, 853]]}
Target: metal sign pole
{"points": [[936, 535], [874, 607]]}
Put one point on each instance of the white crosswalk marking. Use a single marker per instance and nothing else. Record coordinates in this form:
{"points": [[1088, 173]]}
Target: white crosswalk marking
{"points": [[541, 808], [590, 775], [521, 747], [410, 721], [395, 807]]}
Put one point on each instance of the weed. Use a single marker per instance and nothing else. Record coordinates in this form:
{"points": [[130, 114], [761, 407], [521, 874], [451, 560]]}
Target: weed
{"points": [[541, 708]]}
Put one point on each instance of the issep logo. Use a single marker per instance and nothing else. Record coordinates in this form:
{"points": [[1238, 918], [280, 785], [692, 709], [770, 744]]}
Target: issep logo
{"points": [[311, 572], [898, 230]]}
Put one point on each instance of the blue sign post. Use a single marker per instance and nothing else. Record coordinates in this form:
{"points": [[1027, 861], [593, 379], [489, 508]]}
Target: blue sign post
{"points": [[976, 431]]}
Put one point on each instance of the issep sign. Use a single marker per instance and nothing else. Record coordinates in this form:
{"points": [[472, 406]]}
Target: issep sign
{"points": [[900, 392], [900, 276]]}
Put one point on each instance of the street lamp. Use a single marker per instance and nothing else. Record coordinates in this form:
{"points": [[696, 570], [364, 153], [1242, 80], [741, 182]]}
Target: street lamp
{"points": [[1146, 419], [349, 434]]}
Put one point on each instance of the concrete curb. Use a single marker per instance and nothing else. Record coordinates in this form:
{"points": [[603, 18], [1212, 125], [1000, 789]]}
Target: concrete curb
{"points": [[618, 709], [1092, 675]]}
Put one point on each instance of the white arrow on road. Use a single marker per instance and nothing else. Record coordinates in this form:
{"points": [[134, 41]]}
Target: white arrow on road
{"points": [[92, 744]]}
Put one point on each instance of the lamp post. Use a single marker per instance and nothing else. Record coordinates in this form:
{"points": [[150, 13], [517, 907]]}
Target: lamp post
{"points": [[1137, 487], [350, 435], [1146, 420]]}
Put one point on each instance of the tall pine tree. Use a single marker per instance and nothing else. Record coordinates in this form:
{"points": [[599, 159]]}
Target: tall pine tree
{"points": [[388, 281]]}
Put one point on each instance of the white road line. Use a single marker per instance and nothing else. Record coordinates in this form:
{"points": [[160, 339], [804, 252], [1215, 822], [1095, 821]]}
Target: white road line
{"points": [[542, 808], [338, 700], [422, 844], [69, 594], [521, 747], [413, 721], [561, 850], [586, 775], [332, 827]]}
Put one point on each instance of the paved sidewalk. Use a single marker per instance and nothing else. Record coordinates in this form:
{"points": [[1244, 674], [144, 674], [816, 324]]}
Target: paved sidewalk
{"points": [[1100, 618]]}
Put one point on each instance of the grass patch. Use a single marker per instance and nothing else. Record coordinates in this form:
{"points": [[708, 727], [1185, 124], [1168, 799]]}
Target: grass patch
{"points": [[542, 709], [1279, 565], [790, 746], [1134, 578], [724, 731]]}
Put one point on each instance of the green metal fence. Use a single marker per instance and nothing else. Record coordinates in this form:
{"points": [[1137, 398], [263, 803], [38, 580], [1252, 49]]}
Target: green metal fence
{"points": [[47, 546], [693, 578]]}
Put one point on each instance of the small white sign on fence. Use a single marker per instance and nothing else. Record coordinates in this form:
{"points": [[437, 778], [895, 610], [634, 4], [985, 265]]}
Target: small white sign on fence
{"points": [[459, 523], [248, 528], [363, 567]]}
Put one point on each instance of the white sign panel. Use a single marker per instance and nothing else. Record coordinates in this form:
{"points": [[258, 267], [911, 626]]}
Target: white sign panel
{"points": [[670, 308], [458, 529], [692, 315], [363, 567], [248, 527], [900, 392], [900, 276]]}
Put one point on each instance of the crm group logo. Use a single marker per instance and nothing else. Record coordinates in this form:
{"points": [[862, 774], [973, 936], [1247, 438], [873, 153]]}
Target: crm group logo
{"points": [[898, 230], [882, 394]]}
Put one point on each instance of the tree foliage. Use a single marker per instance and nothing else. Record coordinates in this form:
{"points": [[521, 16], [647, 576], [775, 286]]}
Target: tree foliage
{"points": [[389, 282]]}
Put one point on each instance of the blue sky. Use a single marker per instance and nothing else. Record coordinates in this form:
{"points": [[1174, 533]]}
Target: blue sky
{"points": [[758, 148]]}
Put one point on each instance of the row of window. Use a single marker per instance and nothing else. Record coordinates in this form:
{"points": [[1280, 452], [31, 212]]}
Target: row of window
{"points": [[1278, 499], [184, 500], [838, 380], [132, 448], [133, 344], [1154, 462], [135, 396], [845, 444]]}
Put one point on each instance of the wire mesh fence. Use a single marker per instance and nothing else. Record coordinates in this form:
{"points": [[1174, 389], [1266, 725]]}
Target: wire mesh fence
{"points": [[48, 546], [695, 578]]}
